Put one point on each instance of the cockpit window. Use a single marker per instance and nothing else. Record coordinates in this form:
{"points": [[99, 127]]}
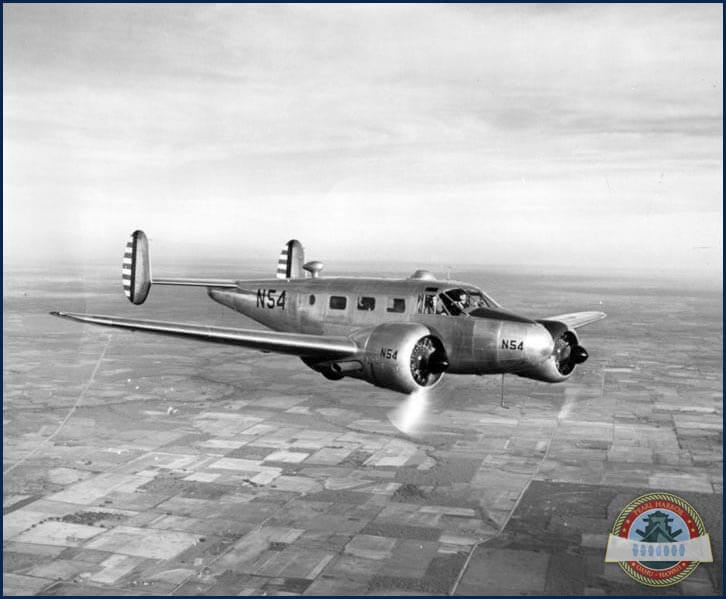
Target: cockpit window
{"points": [[450, 304], [428, 301], [461, 300]]}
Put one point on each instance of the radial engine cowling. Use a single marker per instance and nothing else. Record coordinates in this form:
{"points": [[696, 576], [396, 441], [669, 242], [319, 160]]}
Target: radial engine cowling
{"points": [[403, 357], [566, 355]]}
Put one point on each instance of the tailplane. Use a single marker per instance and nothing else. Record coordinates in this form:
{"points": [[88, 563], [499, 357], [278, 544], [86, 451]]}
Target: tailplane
{"points": [[136, 272], [290, 264]]}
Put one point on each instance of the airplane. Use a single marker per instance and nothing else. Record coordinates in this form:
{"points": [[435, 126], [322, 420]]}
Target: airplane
{"points": [[398, 334]]}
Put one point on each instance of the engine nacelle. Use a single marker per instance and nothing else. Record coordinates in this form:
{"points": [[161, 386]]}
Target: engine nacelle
{"points": [[403, 357], [566, 354]]}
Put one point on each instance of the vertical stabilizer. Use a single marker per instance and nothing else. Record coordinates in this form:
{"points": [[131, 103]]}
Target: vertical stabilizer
{"points": [[135, 271], [290, 264]]}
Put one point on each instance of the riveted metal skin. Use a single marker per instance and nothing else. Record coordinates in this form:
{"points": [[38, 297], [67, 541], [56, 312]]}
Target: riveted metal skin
{"points": [[560, 364], [473, 343], [401, 334], [389, 356]]}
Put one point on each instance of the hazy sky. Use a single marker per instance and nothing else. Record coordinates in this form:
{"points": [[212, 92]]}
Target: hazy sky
{"points": [[583, 135]]}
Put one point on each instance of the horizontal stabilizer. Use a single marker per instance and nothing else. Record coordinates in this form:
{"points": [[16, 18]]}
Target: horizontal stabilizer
{"points": [[578, 319], [196, 282], [136, 272], [317, 347]]}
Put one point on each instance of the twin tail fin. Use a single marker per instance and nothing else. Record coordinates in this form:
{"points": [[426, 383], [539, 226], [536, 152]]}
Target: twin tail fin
{"points": [[135, 270], [290, 263]]}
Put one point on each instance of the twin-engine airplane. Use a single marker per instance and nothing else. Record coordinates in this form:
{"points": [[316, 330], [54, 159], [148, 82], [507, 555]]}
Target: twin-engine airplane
{"points": [[399, 334]]}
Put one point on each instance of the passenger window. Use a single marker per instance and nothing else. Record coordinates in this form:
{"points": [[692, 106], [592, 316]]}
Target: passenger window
{"points": [[396, 304], [367, 303], [338, 302]]}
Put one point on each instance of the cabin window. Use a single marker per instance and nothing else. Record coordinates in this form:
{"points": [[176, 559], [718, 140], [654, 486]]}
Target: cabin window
{"points": [[338, 302], [311, 299], [396, 304], [367, 303]]}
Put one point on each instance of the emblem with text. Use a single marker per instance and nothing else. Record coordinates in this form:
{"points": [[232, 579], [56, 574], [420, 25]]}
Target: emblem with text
{"points": [[269, 298], [512, 344], [658, 539]]}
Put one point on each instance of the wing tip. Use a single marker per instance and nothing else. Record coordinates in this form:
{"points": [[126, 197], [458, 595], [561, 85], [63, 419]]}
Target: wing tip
{"points": [[579, 319], [59, 314]]}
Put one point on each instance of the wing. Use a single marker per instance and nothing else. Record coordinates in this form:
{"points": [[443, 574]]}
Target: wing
{"points": [[578, 319], [298, 344]]}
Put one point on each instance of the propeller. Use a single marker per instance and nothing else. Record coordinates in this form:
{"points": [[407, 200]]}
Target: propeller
{"points": [[427, 362], [568, 353], [413, 415]]}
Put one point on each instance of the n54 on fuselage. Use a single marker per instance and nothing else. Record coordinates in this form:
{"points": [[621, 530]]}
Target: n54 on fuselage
{"points": [[400, 334]]}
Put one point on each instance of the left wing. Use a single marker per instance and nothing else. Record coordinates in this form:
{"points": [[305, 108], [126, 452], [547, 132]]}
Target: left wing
{"points": [[578, 319], [298, 344]]}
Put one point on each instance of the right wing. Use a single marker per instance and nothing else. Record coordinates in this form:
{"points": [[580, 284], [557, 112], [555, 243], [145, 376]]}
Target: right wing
{"points": [[578, 319], [317, 347]]}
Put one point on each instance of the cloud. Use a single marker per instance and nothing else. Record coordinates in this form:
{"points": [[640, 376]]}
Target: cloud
{"points": [[241, 124]]}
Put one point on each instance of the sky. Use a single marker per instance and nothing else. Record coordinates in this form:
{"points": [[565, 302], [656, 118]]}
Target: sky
{"points": [[581, 137]]}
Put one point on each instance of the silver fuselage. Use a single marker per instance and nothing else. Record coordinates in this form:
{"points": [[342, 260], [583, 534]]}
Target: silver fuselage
{"points": [[490, 341]]}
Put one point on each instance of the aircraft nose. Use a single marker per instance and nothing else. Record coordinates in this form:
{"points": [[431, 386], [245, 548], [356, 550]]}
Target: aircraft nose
{"points": [[538, 345]]}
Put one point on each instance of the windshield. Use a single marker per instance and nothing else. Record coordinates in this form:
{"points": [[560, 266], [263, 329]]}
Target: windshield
{"points": [[462, 300]]}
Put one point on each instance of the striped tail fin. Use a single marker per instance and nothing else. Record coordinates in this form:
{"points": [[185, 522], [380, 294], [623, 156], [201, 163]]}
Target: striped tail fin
{"points": [[135, 271], [290, 264]]}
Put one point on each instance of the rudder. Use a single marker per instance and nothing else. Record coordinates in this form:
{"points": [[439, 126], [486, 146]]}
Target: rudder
{"points": [[290, 263], [135, 270]]}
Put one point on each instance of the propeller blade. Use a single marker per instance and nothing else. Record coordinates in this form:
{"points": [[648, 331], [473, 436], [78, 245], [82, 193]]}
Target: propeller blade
{"points": [[438, 362], [413, 415], [580, 354]]}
